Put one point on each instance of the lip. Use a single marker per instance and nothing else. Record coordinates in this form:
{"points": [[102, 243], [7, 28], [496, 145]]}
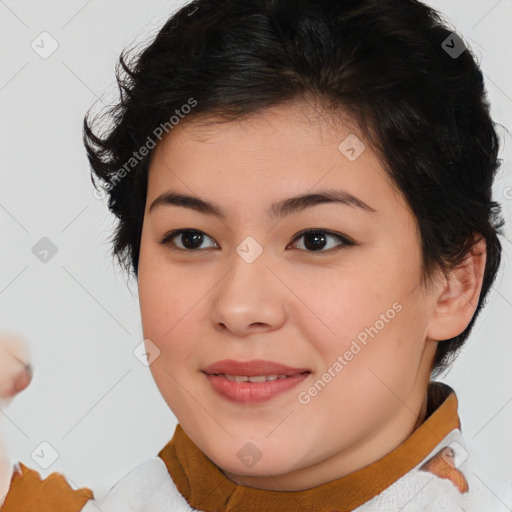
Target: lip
{"points": [[252, 368], [252, 392]]}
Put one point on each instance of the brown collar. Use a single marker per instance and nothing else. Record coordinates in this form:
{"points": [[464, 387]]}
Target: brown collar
{"points": [[207, 488]]}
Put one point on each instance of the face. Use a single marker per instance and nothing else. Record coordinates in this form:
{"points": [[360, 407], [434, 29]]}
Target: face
{"points": [[341, 306]]}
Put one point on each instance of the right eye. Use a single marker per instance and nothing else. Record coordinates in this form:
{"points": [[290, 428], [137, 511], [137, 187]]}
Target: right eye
{"points": [[191, 239]]}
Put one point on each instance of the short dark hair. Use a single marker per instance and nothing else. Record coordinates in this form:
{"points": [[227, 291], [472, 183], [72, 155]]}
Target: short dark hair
{"points": [[386, 63]]}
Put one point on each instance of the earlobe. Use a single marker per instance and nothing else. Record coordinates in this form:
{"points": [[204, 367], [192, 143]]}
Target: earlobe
{"points": [[459, 296]]}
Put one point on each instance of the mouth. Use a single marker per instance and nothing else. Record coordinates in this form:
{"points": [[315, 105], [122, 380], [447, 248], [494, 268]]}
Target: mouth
{"points": [[252, 378], [253, 368], [252, 382]]}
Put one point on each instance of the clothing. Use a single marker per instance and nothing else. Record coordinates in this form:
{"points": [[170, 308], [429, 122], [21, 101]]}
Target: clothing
{"points": [[428, 472]]}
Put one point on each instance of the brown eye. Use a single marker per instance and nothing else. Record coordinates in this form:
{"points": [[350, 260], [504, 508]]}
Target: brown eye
{"points": [[315, 240], [318, 240], [190, 239]]}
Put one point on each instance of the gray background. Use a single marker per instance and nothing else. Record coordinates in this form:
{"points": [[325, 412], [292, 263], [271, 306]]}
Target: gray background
{"points": [[91, 399]]}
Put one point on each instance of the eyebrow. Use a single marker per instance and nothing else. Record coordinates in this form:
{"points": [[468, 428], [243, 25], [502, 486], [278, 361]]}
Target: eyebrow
{"points": [[277, 210]]}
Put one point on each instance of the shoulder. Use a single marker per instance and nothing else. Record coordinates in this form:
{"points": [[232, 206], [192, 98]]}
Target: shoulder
{"points": [[28, 491], [147, 487]]}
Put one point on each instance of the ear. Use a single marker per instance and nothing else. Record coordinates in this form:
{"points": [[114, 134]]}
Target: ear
{"points": [[458, 297]]}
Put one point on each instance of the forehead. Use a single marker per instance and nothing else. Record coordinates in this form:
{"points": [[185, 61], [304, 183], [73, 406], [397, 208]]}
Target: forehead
{"points": [[280, 125], [282, 151]]}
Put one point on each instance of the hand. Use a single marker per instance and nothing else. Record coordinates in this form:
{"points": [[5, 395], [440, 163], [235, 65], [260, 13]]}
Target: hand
{"points": [[15, 369], [15, 376]]}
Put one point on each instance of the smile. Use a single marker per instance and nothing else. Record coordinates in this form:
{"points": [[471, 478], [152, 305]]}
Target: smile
{"points": [[242, 389], [255, 378]]}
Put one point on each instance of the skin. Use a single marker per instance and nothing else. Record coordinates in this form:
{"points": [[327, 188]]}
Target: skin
{"points": [[15, 376], [291, 305]]}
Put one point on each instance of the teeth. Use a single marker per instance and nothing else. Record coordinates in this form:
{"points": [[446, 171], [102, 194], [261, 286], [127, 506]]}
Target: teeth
{"points": [[258, 378], [255, 378]]}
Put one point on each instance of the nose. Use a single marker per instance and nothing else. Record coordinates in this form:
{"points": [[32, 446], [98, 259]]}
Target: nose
{"points": [[250, 299], [22, 380]]}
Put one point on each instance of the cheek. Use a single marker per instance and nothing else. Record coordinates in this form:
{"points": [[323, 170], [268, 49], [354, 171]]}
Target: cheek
{"points": [[343, 303], [164, 292], [382, 356], [171, 311], [370, 318]]}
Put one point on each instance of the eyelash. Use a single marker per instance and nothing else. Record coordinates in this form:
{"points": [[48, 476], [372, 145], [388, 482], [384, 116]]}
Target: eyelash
{"points": [[346, 242]]}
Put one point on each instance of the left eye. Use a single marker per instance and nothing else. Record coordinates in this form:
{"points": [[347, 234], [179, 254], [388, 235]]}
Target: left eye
{"points": [[315, 240]]}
